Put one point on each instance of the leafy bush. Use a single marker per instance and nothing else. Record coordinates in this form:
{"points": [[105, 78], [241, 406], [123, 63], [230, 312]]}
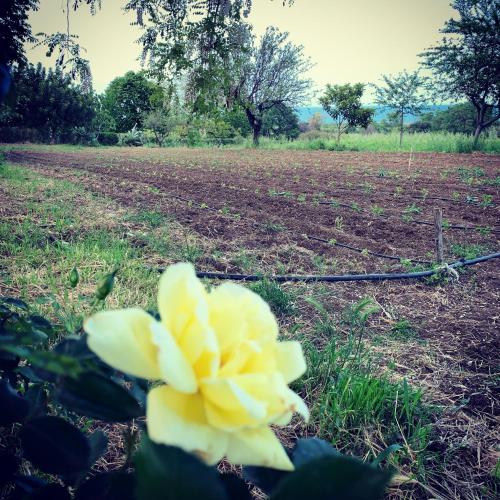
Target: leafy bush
{"points": [[132, 138], [108, 138], [51, 393], [78, 135], [12, 135]]}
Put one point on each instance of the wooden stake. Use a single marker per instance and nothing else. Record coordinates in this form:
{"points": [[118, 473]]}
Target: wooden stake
{"points": [[438, 222]]}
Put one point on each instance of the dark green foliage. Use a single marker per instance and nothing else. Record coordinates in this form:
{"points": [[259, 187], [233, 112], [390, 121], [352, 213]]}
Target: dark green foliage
{"points": [[55, 446], [320, 472], [15, 30], [467, 61], [108, 138], [335, 477], [457, 119], [128, 98], [168, 473], [343, 104], [11, 135], [48, 102], [237, 118], [281, 121], [98, 396]]}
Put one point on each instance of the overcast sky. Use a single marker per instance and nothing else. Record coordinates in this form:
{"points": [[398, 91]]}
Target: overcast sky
{"points": [[347, 40]]}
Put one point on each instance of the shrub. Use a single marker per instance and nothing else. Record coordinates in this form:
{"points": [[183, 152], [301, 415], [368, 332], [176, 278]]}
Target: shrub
{"points": [[132, 138], [78, 135], [108, 138], [23, 134]]}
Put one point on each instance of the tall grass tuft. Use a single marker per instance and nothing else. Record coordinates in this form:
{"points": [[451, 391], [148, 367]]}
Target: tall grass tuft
{"points": [[439, 142]]}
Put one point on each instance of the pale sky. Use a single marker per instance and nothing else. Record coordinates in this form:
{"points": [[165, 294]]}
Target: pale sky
{"points": [[347, 40]]}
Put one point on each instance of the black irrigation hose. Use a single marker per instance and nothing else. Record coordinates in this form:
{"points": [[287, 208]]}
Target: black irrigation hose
{"points": [[346, 277], [369, 252], [412, 221]]}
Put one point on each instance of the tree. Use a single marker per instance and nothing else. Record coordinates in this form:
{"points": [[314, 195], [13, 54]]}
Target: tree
{"points": [[14, 33], [128, 98], [315, 121], [269, 75], [15, 30], [343, 104], [403, 94], [457, 119], [49, 102], [467, 61], [178, 35], [281, 120]]}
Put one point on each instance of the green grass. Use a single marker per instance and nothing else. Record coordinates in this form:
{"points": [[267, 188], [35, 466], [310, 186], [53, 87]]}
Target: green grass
{"points": [[358, 407], [281, 302], [56, 234], [440, 142], [419, 142]]}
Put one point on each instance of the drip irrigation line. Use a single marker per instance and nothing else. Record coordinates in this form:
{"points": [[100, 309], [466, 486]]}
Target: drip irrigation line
{"points": [[369, 252], [411, 221], [346, 277]]}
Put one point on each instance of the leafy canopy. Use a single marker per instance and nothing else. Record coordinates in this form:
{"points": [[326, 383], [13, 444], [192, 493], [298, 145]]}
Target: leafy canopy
{"points": [[467, 61], [343, 104], [128, 98]]}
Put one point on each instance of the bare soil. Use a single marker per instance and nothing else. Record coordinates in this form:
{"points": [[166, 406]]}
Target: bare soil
{"points": [[269, 202]]}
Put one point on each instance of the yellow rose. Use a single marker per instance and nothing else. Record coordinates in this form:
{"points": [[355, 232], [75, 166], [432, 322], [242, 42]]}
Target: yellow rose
{"points": [[225, 371]]}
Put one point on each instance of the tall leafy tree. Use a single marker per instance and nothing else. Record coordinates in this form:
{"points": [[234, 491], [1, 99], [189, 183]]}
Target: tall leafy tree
{"points": [[343, 104], [270, 74], [15, 31], [178, 35], [47, 101], [404, 94], [128, 98], [467, 61]]}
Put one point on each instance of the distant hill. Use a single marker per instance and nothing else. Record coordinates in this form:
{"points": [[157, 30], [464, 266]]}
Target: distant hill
{"points": [[305, 113]]}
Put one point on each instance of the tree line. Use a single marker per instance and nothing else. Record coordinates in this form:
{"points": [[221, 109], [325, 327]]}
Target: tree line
{"points": [[207, 64]]}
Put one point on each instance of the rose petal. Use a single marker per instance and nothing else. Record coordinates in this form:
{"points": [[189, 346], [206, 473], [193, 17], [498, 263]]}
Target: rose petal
{"points": [[179, 420], [230, 407], [258, 447], [174, 367], [290, 360], [237, 313], [123, 339], [182, 302]]}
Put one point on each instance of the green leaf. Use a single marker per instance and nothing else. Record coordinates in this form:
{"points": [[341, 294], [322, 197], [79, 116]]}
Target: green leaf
{"points": [[108, 486], [170, 473], [98, 442], [97, 396], [40, 324], [264, 478], [55, 446], [21, 331], [8, 467], [15, 302], [306, 450], [385, 454], [335, 478], [74, 277], [236, 488], [14, 408], [50, 492], [37, 398]]}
